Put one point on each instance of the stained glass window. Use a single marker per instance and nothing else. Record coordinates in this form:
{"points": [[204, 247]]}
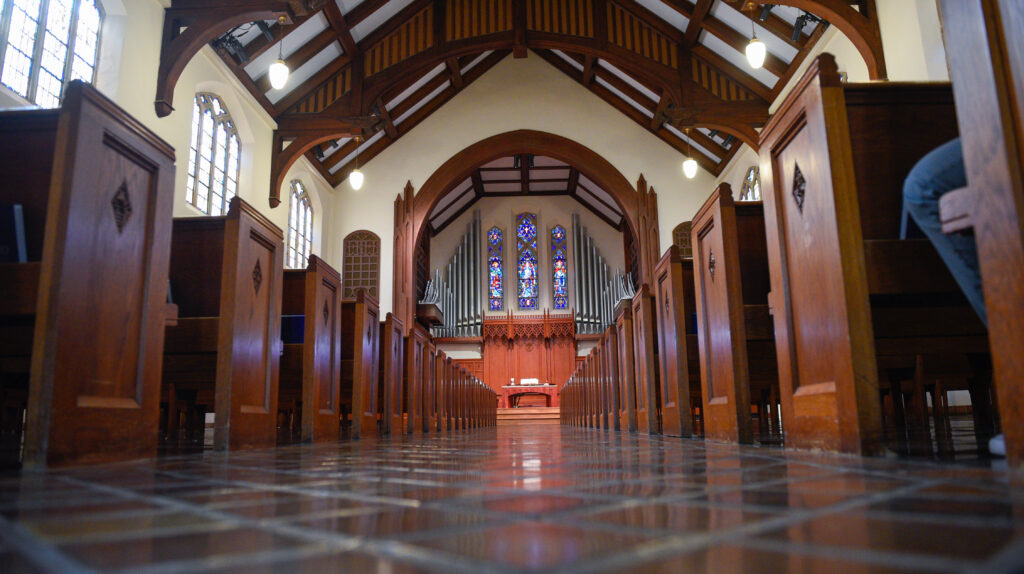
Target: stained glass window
{"points": [[47, 44], [559, 268], [212, 157], [300, 228], [526, 268], [495, 269], [751, 188]]}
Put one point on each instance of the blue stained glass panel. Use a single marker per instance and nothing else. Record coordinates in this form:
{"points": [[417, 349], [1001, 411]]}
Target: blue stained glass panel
{"points": [[560, 270], [526, 268], [495, 271]]}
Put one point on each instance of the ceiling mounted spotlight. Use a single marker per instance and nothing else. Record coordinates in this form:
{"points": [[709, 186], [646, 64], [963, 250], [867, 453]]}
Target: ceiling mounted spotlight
{"points": [[766, 10], [801, 22]]}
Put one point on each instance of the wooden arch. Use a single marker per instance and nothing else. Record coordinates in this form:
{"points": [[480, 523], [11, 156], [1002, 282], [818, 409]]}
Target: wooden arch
{"points": [[862, 29], [412, 212]]}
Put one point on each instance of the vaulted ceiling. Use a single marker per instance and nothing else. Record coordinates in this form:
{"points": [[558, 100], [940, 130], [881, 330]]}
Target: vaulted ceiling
{"points": [[366, 72]]}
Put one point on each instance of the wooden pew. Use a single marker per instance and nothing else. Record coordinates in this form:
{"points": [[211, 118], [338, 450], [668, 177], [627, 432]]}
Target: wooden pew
{"points": [[428, 406], [416, 367], [440, 392], [226, 277], [81, 322], [391, 393], [311, 366], [610, 353], [737, 345], [645, 359], [833, 160], [673, 305], [986, 64], [628, 413], [360, 357]]}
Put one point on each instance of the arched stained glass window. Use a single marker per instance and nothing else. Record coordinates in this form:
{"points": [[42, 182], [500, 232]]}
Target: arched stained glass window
{"points": [[495, 269], [213, 157], [751, 188], [300, 228], [559, 268], [44, 44], [526, 268]]}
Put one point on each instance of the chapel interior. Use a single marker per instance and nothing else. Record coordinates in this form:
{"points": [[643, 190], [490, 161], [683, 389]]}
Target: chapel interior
{"points": [[511, 286]]}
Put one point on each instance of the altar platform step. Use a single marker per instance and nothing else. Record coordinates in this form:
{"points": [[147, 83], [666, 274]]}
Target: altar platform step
{"points": [[529, 416]]}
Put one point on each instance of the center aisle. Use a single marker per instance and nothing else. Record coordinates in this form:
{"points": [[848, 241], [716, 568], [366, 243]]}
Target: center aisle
{"points": [[513, 499]]}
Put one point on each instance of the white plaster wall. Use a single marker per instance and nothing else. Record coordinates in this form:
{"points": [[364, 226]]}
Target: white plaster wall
{"points": [[550, 211], [516, 94]]}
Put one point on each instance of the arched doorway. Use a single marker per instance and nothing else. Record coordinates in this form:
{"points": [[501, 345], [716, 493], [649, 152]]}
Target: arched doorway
{"points": [[412, 210]]}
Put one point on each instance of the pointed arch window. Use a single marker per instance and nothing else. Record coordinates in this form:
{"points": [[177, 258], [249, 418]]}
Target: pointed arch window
{"points": [[526, 266], [212, 157], [751, 188], [559, 269], [44, 44], [360, 264], [495, 269], [300, 228]]}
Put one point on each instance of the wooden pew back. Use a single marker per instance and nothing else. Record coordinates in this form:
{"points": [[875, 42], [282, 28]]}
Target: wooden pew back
{"points": [[673, 294], [360, 358], [645, 362], [628, 418], [97, 191], [392, 367]]}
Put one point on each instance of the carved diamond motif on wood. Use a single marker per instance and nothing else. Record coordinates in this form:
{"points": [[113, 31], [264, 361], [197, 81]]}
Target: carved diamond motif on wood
{"points": [[122, 205], [327, 312], [257, 276], [799, 187], [711, 264]]}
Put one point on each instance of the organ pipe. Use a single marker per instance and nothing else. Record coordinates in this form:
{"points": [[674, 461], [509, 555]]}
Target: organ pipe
{"points": [[598, 288], [458, 291]]}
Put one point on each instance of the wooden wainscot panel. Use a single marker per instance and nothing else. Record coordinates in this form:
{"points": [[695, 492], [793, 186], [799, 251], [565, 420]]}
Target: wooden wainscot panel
{"points": [[226, 277], [645, 361], [627, 372], [83, 316], [673, 361], [360, 357], [311, 369]]}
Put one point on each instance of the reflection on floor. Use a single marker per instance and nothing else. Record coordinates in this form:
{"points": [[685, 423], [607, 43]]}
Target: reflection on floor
{"points": [[515, 499]]}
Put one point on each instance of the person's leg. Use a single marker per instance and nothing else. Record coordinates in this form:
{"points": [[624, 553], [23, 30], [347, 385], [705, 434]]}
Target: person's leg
{"points": [[937, 173]]}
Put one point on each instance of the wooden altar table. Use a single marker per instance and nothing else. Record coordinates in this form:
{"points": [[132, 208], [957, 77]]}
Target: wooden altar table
{"points": [[509, 391]]}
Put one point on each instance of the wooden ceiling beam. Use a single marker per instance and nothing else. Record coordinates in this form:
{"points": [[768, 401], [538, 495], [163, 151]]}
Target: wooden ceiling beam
{"points": [[809, 45], [385, 116], [340, 25], [393, 23], [575, 195], [574, 181], [659, 112], [693, 27], [455, 72], [589, 62], [741, 76], [363, 11], [303, 90], [524, 172], [243, 77], [777, 26], [261, 44], [738, 42]]}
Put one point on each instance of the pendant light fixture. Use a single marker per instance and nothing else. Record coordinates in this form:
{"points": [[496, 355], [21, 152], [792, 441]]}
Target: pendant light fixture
{"points": [[756, 50], [279, 71], [689, 164], [355, 179]]}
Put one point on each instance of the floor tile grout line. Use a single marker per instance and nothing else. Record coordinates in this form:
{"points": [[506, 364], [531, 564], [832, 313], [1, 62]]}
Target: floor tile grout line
{"points": [[38, 551], [909, 561], [337, 541], [785, 521]]}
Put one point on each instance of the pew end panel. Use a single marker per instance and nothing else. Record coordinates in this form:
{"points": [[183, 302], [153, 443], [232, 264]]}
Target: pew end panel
{"points": [[415, 375], [96, 188], [321, 354], [672, 312], [721, 333], [361, 319], [825, 349], [392, 343], [628, 418], [645, 362]]}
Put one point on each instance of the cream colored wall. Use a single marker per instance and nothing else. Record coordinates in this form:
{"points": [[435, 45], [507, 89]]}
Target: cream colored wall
{"points": [[126, 73], [550, 211], [515, 94]]}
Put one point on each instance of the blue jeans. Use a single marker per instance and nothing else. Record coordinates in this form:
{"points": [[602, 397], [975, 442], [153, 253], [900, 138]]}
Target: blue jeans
{"points": [[937, 173]]}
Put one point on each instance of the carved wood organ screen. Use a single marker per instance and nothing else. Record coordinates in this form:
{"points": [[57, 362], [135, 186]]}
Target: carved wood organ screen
{"points": [[598, 288], [536, 346], [360, 268]]}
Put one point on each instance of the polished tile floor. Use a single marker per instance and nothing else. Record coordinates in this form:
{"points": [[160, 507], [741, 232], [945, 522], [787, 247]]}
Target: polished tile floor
{"points": [[515, 499]]}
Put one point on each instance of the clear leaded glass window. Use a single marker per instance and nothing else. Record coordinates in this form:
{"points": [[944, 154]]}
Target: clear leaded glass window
{"points": [[526, 267], [360, 267], [300, 228], [212, 157], [44, 44], [559, 268], [495, 269], [751, 188]]}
